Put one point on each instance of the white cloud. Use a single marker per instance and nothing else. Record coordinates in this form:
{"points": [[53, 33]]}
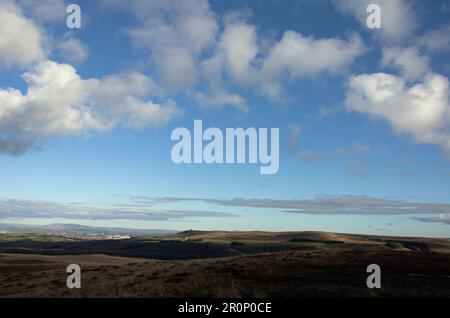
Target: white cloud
{"points": [[177, 68], [301, 56], [398, 18], [45, 10], [185, 44], [436, 40], [21, 42], [175, 33], [411, 63], [25, 41], [421, 110], [239, 47], [240, 59], [220, 98], [417, 101], [296, 56], [217, 96], [72, 50], [59, 102], [124, 99]]}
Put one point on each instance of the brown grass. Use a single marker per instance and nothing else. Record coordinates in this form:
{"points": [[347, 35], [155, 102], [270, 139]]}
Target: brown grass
{"points": [[284, 274]]}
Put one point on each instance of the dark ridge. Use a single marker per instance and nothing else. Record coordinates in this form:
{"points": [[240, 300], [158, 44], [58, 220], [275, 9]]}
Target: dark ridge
{"points": [[307, 240]]}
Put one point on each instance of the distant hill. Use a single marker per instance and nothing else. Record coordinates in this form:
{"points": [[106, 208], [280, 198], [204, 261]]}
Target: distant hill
{"points": [[77, 229], [59, 240]]}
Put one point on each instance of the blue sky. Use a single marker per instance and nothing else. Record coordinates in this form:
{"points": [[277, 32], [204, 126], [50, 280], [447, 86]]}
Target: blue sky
{"points": [[86, 114]]}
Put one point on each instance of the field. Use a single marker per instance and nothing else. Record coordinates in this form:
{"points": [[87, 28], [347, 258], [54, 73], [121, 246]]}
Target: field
{"points": [[225, 264]]}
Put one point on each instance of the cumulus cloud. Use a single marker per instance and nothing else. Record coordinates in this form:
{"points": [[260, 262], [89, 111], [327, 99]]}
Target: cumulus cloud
{"points": [[217, 95], [296, 56], [326, 205], [240, 58], [412, 64], [398, 18], [20, 208], [45, 10], [72, 50], [218, 98], [25, 40], [186, 45], [59, 102], [239, 47], [436, 40], [421, 110], [415, 102], [178, 35], [175, 33], [21, 41]]}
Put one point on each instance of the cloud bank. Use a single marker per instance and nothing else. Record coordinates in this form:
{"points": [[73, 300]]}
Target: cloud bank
{"points": [[19, 208], [441, 218], [324, 205]]}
